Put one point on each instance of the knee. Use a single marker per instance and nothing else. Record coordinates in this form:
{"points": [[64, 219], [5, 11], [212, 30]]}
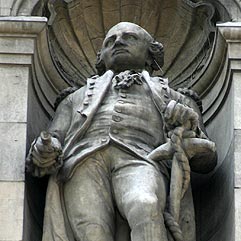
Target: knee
{"points": [[142, 208]]}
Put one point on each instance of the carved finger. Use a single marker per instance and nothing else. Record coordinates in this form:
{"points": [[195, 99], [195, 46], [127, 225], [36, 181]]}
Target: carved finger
{"points": [[169, 110], [43, 163], [43, 159], [194, 120], [176, 113], [43, 148], [43, 154], [189, 134], [184, 115]]}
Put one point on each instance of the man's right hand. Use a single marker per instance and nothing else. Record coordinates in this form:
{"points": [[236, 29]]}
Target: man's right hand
{"points": [[45, 155]]}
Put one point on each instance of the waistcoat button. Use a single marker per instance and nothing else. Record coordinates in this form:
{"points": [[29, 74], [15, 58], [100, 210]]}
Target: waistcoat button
{"points": [[118, 110], [114, 131], [104, 140], [123, 95], [116, 118]]}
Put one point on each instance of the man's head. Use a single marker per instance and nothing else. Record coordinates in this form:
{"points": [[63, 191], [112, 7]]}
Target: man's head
{"points": [[127, 46]]}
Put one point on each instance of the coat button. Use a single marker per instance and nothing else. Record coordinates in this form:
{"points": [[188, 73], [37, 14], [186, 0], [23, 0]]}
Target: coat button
{"points": [[118, 110], [166, 96], [116, 118], [103, 140], [164, 87], [123, 95], [115, 131]]}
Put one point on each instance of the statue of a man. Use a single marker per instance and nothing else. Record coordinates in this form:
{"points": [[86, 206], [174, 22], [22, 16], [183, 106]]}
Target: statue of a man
{"points": [[122, 145]]}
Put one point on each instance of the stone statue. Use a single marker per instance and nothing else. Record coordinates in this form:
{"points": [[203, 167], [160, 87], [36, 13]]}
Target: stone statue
{"points": [[120, 149]]}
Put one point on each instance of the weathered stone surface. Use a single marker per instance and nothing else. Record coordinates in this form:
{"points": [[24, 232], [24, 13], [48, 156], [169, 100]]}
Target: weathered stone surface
{"points": [[12, 151], [237, 100], [5, 7], [13, 89], [237, 159], [16, 59], [16, 45], [237, 195], [232, 35], [11, 210]]}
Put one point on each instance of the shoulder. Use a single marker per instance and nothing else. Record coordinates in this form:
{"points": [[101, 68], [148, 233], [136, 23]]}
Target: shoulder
{"points": [[71, 93], [63, 94], [193, 95], [183, 95], [159, 80], [159, 84]]}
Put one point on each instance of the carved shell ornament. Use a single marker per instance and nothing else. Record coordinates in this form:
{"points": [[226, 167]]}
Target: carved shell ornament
{"points": [[77, 29]]}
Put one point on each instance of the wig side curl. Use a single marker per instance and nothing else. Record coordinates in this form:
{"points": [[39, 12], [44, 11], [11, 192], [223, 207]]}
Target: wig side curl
{"points": [[156, 52]]}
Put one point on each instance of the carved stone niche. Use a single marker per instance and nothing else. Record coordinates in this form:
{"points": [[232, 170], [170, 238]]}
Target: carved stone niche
{"points": [[195, 57]]}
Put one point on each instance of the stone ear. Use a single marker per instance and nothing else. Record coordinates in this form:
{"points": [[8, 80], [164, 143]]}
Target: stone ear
{"points": [[100, 64]]}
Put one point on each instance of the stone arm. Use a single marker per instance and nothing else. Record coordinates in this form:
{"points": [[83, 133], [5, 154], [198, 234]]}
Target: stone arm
{"points": [[201, 152], [45, 155], [62, 119]]}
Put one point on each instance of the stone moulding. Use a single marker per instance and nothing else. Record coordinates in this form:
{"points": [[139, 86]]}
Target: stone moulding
{"points": [[22, 25]]}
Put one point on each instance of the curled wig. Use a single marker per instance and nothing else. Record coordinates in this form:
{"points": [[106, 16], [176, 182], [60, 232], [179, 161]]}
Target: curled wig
{"points": [[156, 54]]}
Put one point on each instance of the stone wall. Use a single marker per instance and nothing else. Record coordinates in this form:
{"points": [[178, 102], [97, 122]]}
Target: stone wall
{"points": [[17, 45]]}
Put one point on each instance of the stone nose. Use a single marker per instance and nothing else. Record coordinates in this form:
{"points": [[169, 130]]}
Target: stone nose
{"points": [[119, 41]]}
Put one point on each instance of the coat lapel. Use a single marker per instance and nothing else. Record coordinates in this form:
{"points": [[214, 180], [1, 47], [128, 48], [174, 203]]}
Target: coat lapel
{"points": [[95, 93], [159, 89]]}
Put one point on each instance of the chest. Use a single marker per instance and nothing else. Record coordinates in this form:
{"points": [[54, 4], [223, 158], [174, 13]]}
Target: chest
{"points": [[134, 101]]}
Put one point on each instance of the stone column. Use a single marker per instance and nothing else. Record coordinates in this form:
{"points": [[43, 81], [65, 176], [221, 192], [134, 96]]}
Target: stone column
{"points": [[232, 34], [17, 45]]}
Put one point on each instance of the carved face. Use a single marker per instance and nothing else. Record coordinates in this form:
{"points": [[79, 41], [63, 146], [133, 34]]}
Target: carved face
{"points": [[125, 47]]}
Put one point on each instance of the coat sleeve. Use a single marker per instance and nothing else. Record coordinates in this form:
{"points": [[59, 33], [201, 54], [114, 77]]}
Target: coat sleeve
{"points": [[62, 119], [64, 114], [186, 100]]}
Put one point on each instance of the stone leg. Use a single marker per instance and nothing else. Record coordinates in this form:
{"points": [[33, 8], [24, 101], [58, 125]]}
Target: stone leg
{"points": [[140, 194], [88, 201]]}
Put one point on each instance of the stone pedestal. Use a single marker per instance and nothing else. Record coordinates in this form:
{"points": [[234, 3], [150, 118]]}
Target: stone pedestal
{"points": [[17, 45]]}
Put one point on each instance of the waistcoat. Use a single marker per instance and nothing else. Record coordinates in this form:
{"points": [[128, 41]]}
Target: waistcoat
{"points": [[128, 117]]}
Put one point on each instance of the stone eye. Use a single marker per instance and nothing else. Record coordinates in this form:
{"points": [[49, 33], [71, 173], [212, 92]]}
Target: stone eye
{"points": [[109, 42], [129, 37]]}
